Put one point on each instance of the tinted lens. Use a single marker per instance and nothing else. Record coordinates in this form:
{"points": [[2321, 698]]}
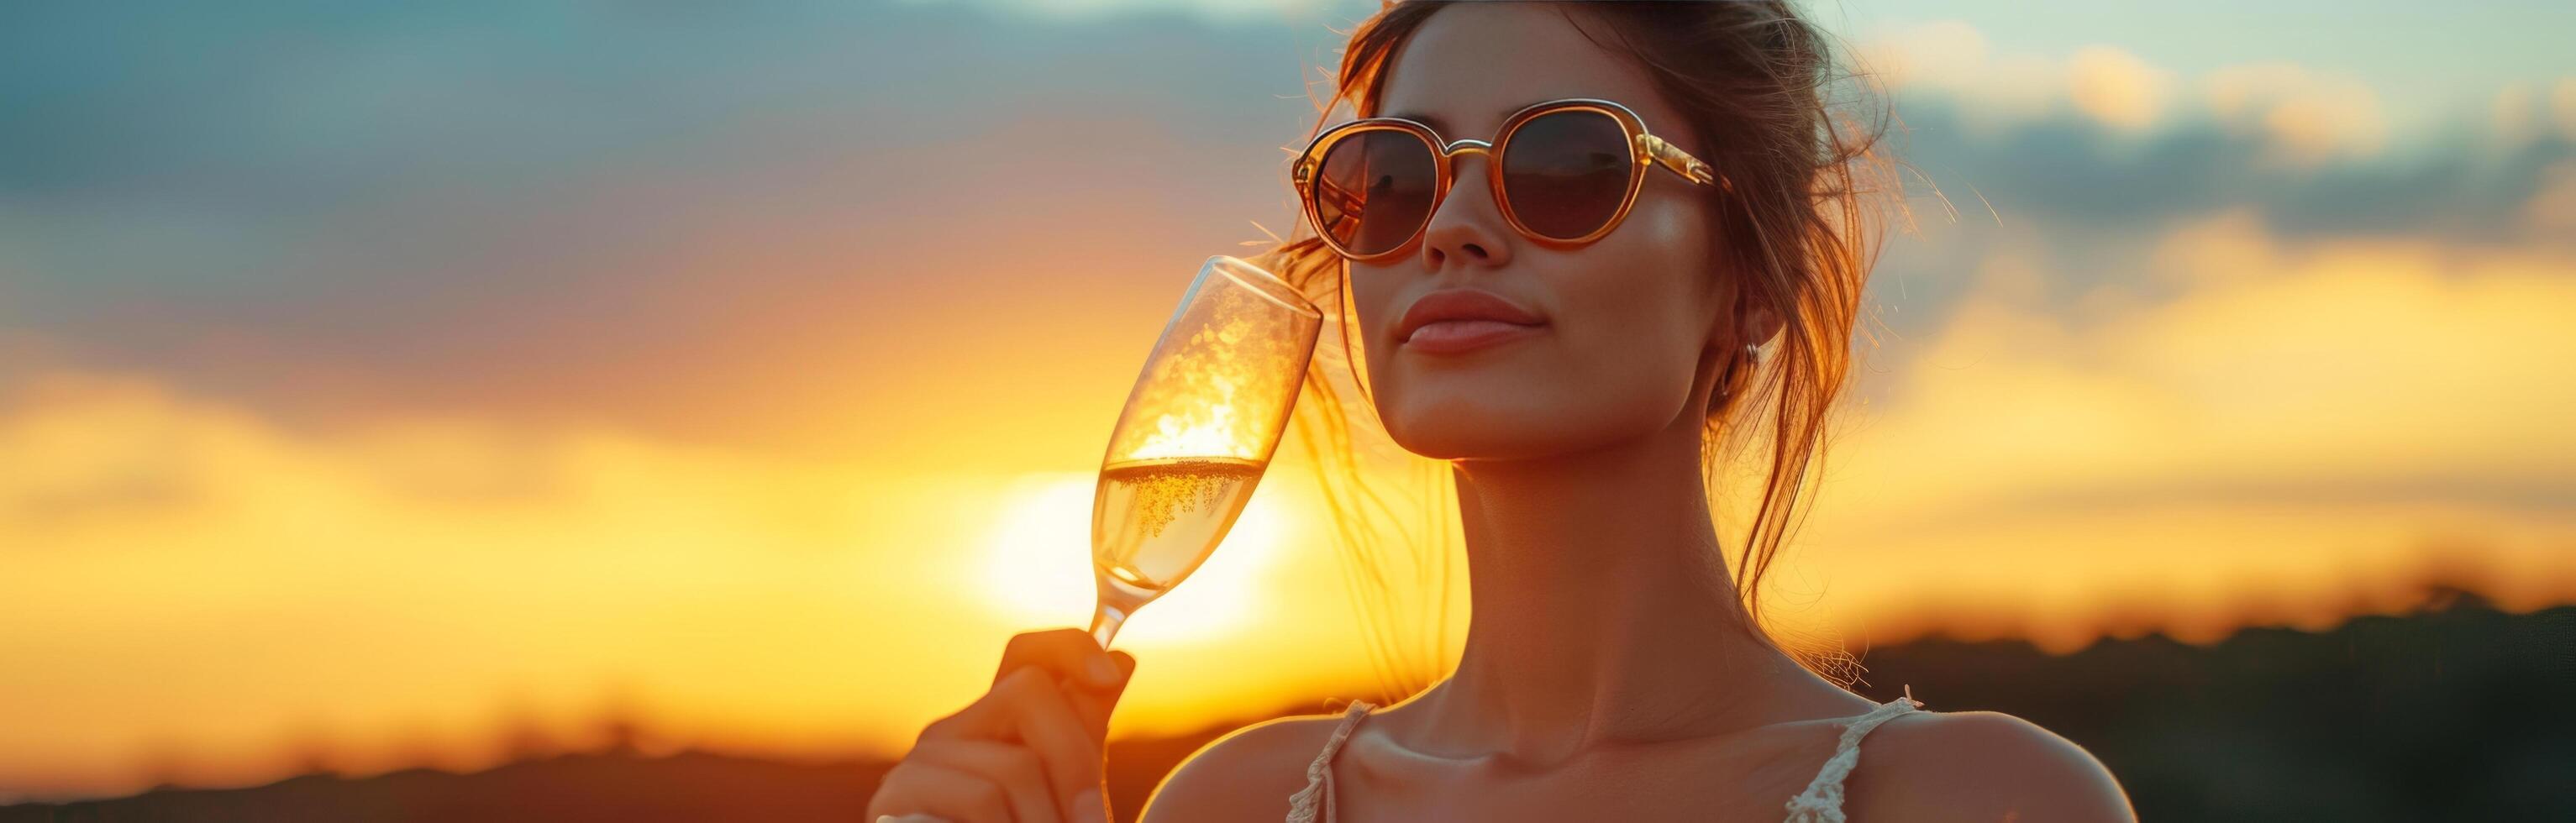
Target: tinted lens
{"points": [[1373, 190], [1565, 172]]}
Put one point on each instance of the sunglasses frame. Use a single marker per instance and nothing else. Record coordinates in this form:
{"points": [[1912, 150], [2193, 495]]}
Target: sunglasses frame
{"points": [[1646, 150]]}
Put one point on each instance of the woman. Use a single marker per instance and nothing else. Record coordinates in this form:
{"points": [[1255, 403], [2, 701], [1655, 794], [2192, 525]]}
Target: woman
{"points": [[1575, 361]]}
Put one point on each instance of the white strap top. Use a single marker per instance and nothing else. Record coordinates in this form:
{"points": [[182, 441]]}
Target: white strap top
{"points": [[1822, 802]]}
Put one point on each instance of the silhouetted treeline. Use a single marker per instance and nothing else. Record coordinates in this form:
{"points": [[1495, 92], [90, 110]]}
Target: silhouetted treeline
{"points": [[2460, 713]]}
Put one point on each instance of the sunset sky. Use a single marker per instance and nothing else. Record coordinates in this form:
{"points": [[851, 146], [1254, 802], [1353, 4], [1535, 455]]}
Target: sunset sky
{"points": [[382, 382]]}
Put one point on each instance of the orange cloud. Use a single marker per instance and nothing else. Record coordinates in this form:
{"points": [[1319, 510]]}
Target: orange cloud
{"points": [[2309, 117], [1999, 89], [2307, 415], [195, 585], [1994, 90], [2117, 88]]}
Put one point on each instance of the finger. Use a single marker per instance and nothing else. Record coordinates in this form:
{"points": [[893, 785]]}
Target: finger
{"points": [[930, 788], [1091, 806], [1014, 767], [1126, 665], [1092, 706], [1072, 654], [1030, 708]]}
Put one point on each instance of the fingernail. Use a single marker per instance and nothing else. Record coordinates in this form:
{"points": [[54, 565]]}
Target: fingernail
{"points": [[1090, 807], [1104, 672]]}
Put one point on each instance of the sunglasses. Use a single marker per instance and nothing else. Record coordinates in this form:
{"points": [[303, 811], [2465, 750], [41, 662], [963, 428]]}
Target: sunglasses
{"points": [[1565, 173]]}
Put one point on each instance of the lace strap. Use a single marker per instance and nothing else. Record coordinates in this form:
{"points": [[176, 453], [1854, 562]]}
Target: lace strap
{"points": [[1304, 805], [1822, 802]]}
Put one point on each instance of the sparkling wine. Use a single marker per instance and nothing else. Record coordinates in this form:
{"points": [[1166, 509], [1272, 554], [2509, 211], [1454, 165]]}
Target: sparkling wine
{"points": [[1154, 521], [1208, 409]]}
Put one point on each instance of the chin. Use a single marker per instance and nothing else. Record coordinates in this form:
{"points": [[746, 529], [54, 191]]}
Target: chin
{"points": [[1461, 429], [1479, 434]]}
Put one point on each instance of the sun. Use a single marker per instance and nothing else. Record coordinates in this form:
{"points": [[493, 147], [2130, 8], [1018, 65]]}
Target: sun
{"points": [[1037, 569]]}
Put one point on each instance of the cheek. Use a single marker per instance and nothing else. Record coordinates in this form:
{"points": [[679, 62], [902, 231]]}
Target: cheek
{"points": [[1648, 283], [1373, 299], [1641, 317], [1637, 344], [1672, 229], [1371, 295]]}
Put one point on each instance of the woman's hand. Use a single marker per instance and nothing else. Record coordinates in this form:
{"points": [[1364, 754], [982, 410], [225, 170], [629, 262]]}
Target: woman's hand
{"points": [[1031, 750]]}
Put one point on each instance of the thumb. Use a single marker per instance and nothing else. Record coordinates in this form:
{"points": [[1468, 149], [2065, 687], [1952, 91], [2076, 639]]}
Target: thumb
{"points": [[1095, 703], [1126, 672]]}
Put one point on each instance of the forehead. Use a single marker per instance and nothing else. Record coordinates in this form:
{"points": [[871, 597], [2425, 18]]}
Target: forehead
{"points": [[1472, 64]]}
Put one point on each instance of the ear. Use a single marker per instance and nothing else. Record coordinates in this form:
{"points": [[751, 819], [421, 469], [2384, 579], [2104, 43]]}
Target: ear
{"points": [[1755, 323], [1759, 324]]}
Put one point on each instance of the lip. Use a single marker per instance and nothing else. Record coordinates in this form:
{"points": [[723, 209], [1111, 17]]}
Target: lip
{"points": [[1467, 318]]}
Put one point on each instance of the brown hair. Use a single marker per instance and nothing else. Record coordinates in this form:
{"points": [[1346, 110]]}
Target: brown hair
{"points": [[1751, 80]]}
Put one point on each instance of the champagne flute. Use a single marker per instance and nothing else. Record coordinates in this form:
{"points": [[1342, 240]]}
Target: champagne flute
{"points": [[1197, 433]]}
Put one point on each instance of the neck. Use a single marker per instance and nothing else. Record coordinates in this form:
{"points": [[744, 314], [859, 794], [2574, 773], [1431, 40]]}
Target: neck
{"points": [[1602, 611]]}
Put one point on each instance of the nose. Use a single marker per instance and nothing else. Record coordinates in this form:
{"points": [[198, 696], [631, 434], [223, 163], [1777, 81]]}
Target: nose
{"points": [[1468, 224]]}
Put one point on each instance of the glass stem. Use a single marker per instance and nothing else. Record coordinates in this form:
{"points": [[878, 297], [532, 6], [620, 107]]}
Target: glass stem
{"points": [[1105, 620]]}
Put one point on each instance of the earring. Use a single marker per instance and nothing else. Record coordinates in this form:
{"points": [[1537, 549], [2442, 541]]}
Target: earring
{"points": [[1752, 357]]}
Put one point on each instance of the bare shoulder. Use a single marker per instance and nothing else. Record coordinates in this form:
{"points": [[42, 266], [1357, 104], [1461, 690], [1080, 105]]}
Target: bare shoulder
{"points": [[1246, 775], [1979, 766]]}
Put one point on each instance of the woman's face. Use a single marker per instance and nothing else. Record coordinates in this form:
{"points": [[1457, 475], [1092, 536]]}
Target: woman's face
{"points": [[1632, 324]]}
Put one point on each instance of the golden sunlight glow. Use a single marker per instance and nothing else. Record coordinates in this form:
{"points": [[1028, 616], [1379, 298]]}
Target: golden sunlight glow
{"points": [[1037, 565], [1176, 436]]}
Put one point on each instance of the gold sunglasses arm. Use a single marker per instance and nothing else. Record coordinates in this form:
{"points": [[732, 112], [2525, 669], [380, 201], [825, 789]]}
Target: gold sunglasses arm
{"points": [[1690, 168]]}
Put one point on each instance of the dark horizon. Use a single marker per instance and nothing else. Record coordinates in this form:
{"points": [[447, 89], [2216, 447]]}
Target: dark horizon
{"points": [[2414, 717]]}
